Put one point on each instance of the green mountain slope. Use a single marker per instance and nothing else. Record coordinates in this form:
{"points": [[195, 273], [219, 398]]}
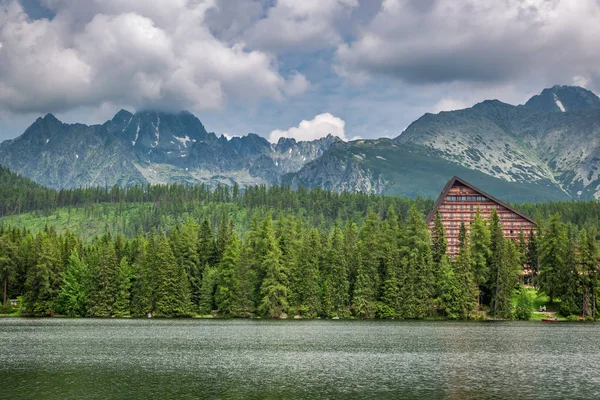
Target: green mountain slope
{"points": [[385, 166]]}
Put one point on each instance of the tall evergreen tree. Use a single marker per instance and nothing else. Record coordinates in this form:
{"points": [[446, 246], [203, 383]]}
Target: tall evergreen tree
{"points": [[8, 270], [304, 283], [104, 270], [172, 297], [463, 271], [122, 305], [227, 296], [40, 290], [72, 297], [418, 283], [589, 253], [439, 243], [335, 280], [553, 259], [274, 290], [480, 252]]}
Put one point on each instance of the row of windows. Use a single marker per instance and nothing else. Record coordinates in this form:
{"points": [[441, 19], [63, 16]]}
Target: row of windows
{"points": [[466, 198], [511, 223]]}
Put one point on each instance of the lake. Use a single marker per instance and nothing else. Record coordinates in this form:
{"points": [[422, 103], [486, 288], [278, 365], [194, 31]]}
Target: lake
{"points": [[141, 359]]}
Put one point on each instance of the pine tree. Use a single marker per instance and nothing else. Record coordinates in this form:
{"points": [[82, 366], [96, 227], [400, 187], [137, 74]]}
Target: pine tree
{"points": [[208, 288], [507, 279], [184, 242], [40, 290], [72, 297], [589, 253], [480, 251], [418, 281], [335, 280], [227, 296], [7, 268], [388, 306], [364, 299], [553, 258], [305, 292], [532, 256], [451, 295], [122, 305], [570, 299], [103, 282], [463, 271], [172, 297], [274, 290], [142, 285], [439, 244]]}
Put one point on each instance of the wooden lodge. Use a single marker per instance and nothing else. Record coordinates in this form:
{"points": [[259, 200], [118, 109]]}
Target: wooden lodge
{"points": [[459, 202]]}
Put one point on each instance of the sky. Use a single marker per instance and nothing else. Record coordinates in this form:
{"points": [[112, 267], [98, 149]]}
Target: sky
{"points": [[302, 69]]}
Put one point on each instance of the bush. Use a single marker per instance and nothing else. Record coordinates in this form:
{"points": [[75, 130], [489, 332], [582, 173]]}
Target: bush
{"points": [[524, 305], [572, 318]]}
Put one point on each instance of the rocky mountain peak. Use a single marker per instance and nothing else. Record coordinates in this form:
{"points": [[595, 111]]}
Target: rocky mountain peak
{"points": [[564, 98]]}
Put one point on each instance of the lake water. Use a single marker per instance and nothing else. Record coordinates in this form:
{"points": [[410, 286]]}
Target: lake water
{"points": [[86, 358]]}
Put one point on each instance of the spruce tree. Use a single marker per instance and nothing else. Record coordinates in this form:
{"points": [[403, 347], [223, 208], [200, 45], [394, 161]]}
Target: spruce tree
{"points": [[210, 278], [122, 305], [8, 271], [40, 291], [364, 300], [553, 259], [507, 279], [532, 256], [227, 297], [589, 253], [451, 295], [304, 282], [480, 252], [274, 290], [463, 271], [103, 278], [335, 280], [72, 297], [172, 297], [439, 243], [418, 280]]}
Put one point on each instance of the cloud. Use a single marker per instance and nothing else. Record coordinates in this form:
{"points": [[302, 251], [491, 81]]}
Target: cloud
{"points": [[318, 127], [299, 25], [449, 104], [434, 41], [139, 54]]}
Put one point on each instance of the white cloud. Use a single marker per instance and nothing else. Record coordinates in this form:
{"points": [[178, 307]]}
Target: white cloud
{"points": [[299, 25], [449, 104], [433, 41], [134, 53], [318, 127]]}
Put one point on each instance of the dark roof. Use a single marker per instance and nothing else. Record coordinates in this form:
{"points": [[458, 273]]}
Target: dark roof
{"points": [[451, 183]]}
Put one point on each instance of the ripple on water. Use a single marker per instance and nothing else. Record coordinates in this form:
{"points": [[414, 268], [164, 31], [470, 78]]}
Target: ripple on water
{"points": [[84, 358]]}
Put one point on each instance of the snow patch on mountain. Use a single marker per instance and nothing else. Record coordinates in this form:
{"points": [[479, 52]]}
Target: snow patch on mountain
{"points": [[559, 103], [184, 140]]}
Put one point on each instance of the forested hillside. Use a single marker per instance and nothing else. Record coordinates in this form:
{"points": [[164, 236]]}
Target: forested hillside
{"points": [[174, 250]]}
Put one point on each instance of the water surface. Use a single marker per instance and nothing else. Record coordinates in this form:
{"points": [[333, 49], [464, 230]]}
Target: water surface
{"points": [[100, 359]]}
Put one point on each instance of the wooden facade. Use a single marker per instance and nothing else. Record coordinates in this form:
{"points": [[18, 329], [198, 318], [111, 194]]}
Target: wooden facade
{"points": [[459, 202]]}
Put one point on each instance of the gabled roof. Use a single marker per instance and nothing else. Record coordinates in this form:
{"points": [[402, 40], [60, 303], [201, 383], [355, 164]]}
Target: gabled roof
{"points": [[456, 179]]}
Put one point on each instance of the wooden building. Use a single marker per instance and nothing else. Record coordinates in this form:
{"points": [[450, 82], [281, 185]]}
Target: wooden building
{"points": [[459, 203]]}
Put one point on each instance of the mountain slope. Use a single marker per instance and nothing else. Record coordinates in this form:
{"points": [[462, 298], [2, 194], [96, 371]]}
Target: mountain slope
{"points": [[520, 153], [384, 166], [518, 144], [150, 147]]}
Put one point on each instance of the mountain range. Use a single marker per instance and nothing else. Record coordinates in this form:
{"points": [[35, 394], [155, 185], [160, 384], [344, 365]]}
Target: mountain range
{"points": [[546, 149]]}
